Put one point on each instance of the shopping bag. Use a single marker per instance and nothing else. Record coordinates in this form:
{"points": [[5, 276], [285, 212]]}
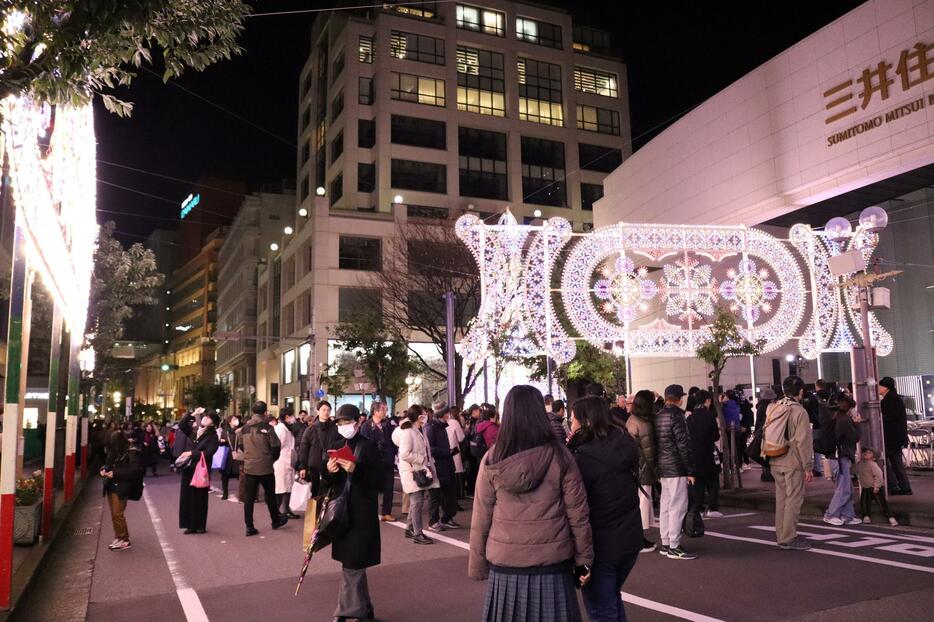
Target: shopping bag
{"points": [[311, 522], [301, 491], [219, 461], [200, 479]]}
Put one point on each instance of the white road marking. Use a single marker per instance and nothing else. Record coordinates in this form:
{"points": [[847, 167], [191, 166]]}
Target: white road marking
{"points": [[706, 518], [862, 558], [645, 603], [885, 534], [191, 604]]}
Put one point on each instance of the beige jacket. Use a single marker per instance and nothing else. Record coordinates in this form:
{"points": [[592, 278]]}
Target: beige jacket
{"points": [[414, 455], [529, 510], [869, 474], [800, 454]]}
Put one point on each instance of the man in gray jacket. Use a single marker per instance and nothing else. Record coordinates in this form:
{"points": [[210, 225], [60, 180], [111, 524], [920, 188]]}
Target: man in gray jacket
{"points": [[260, 448], [792, 469]]}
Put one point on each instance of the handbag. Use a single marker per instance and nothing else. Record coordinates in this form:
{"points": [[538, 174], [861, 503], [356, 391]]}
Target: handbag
{"points": [[311, 522], [182, 463], [335, 519], [201, 479], [693, 526], [301, 491], [219, 461], [422, 478]]}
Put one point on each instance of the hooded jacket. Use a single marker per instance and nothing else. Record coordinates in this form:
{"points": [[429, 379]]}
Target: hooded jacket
{"points": [[642, 430], [530, 510], [260, 446], [671, 438], [608, 470]]}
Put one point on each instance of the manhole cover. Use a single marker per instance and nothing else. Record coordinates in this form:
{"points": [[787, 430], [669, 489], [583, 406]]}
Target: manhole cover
{"points": [[82, 531]]}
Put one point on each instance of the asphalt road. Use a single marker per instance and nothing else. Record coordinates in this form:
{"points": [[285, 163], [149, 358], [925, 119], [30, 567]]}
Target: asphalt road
{"points": [[870, 570]]}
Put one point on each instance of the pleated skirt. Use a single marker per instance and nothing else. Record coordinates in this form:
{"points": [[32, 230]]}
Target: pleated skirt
{"points": [[531, 598]]}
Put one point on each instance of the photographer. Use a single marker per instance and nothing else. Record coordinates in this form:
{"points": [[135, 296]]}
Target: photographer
{"points": [[123, 480]]}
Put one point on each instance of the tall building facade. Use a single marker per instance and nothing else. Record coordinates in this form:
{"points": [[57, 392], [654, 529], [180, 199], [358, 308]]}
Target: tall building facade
{"points": [[261, 220], [425, 112]]}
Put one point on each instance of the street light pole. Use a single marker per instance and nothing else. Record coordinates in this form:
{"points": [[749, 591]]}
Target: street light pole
{"points": [[449, 326]]}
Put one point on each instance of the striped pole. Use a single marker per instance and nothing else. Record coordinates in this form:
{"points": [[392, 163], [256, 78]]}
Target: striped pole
{"points": [[12, 416], [51, 424], [71, 420]]}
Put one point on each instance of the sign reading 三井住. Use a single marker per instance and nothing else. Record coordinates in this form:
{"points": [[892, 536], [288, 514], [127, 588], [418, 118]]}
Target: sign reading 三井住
{"points": [[878, 82]]}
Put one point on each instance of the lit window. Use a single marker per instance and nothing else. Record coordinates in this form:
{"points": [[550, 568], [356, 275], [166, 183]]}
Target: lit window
{"points": [[482, 20], [366, 49], [421, 48], [596, 82], [540, 92], [480, 82], [288, 367], [418, 89], [539, 33], [424, 10], [304, 358], [595, 119]]}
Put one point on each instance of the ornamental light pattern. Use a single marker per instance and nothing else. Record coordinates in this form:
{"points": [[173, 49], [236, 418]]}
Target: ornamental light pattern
{"points": [[655, 288]]}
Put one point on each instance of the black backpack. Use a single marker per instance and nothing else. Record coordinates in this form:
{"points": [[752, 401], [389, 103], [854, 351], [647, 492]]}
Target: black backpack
{"points": [[476, 443], [693, 526]]}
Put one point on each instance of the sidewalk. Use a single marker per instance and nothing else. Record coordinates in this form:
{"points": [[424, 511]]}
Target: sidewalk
{"points": [[916, 510]]}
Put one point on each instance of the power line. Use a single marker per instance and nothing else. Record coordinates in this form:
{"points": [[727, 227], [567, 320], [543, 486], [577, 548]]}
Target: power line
{"points": [[178, 179], [346, 8]]}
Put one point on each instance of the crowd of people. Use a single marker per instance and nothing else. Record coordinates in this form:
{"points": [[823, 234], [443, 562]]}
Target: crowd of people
{"points": [[562, 495]]}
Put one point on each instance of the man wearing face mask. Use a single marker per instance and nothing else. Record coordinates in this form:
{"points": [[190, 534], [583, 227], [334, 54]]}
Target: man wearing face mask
{"points": [[359, 547], [260, 447]]}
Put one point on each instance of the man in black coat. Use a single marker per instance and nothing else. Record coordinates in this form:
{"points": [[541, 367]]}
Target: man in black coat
{"points": [[675, 470], [378, 428], [703, 433], [895, 433], [317, 438], [442, 502], [359, 547]]}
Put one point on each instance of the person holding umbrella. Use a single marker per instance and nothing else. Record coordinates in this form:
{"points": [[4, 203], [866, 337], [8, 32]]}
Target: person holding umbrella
{"points": [[359, 547]]}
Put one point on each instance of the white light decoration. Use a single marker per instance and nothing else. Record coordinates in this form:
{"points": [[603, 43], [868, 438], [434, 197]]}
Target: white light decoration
{"points": [[838, 228], [397, 198], [273, 247], [303, 212], [320, 191], [287, 230], [53, 172], [873, 219]]}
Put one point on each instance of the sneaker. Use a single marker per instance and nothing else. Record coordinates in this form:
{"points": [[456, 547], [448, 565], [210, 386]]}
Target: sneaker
{"points": [[833, 520], [663, 550], [422, 539], [713, 514], [409, 533], [795, 545], [279, 523], [439, 527], [893, 522], [676, 552], [647, 546], [866, 520], [450, 524], [853, 521], [121, 546], [114, 544]]}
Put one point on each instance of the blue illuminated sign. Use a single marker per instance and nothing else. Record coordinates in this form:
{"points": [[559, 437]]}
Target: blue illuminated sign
{"points": [[189, 204]]}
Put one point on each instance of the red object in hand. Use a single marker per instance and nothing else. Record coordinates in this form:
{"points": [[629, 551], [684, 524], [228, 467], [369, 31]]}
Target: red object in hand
{"points": [[344, 453]]}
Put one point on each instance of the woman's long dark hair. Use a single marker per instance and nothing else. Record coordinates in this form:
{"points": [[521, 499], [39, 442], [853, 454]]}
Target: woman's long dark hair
{"points": [[593, 413], [411, 416], [117, 446], [643, 404], [524, 425]]}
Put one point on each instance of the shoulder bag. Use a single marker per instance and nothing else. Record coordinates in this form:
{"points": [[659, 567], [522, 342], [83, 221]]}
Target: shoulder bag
{"points": [[335, 519]]}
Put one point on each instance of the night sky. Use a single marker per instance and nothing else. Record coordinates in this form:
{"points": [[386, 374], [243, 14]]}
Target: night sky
{"points": [[678, 55]]}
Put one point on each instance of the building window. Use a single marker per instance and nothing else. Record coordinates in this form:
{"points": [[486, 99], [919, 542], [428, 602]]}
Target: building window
{"points": [[306, 151], [598, 158], [337, 106], [418, 132], [304, 355], [591, 40], [306, 118], [263, 293], [366, 133], [482, 20], [306, 83], [366, 176], [338, 67], [304, 188], [426, 211], [540, 92], [482, 164], [424, 176], [306, 259], [543, 172], [337, 147], [365, 49], [419, 89], [596, 82], [288, 366], [274, 308], [589, 194], [595, 119], [365, 91], [481, 82], [289, 273], [360, 254], [351, 301], [420, 48], [539, 33], [337, 189]]}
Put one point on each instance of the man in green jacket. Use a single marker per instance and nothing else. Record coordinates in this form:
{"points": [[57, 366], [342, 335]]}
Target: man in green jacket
{"points": [[792, 469], [260, 449]]}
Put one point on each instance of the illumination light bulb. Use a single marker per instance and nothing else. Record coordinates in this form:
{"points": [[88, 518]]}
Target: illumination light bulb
{"points": [[303, 212], [838, 228], [873, 219], [397, 198], [273, 247], [287, 230], [320, 191]]}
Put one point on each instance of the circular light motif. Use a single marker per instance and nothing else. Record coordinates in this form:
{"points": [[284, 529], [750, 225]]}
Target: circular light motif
{"points": [[689, 290], [749, 290]]}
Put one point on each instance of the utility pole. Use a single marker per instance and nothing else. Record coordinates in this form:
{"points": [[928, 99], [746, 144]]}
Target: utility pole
{"points": [[449, 327]]}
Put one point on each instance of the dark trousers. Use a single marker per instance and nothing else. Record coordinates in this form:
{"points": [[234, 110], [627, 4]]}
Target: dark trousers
{"points": [[389, 482], [353, 600], [225, 482], [705, 486], [442, 503], [865, 502], [473, 467], [895, 468], [602, 593], [250, 485]]}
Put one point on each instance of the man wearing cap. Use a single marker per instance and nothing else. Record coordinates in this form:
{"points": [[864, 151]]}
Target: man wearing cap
{"points": [[676, 471], [895, 433], [359, 547]]}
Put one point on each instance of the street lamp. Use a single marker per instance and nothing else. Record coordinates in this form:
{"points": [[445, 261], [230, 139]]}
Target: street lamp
{"points": [[273, 247], [288, 230], [838, 228], [320, 191]]}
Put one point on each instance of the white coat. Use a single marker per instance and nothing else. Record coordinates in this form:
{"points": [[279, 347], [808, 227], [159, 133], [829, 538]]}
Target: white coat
{"points": [[285, 472], [455, 438], [414, 454]]}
